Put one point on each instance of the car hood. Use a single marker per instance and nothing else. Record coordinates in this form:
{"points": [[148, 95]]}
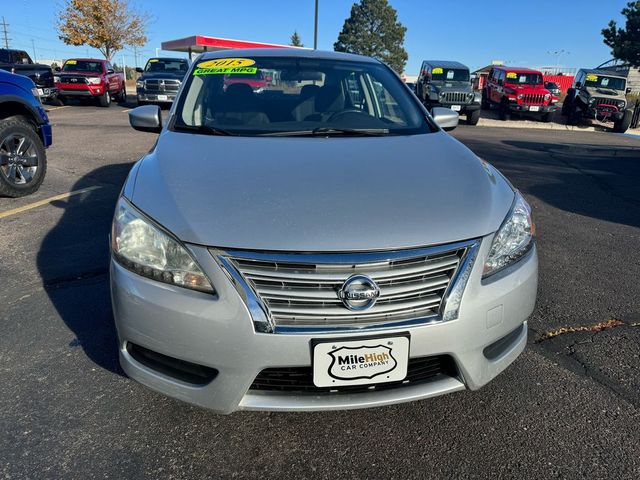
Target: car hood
{"points": [[605, 93], [161, 75], [320, 194], [453, 87]]}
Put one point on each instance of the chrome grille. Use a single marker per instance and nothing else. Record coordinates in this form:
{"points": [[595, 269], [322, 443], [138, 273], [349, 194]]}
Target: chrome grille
{"points": [[159, 85], [301, 290], [456, 97], [606, 102], [535, 99], [73, 79]]}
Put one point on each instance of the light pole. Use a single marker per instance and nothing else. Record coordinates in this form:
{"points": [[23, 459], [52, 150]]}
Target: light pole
{"points": [[315, 30], [557, 54]]}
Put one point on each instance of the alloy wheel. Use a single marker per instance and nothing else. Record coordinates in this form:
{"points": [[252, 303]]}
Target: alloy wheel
{"points": [[18, 159]]}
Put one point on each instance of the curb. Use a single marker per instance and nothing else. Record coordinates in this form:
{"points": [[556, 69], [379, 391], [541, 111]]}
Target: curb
{"points": [[525, 124]]}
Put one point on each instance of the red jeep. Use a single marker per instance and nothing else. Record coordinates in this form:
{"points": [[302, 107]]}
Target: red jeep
{"points": [[90, 78], [518, 90]]}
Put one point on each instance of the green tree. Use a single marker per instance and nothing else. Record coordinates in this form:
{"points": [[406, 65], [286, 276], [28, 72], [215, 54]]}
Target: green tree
{"points": [[625, 42], [373, 29], [296, 41]]}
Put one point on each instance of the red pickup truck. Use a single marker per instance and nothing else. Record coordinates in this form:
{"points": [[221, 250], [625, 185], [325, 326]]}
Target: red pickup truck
{"points": [[518, 90], [90, 78]]}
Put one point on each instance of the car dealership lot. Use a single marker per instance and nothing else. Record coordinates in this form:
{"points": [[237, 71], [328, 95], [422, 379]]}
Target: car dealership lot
{"points": [[569, 407]]}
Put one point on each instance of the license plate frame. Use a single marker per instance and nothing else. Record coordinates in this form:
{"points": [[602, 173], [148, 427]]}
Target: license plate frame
{"points": [[163, 98], [337, 362], [456, 108], [534, 108]]}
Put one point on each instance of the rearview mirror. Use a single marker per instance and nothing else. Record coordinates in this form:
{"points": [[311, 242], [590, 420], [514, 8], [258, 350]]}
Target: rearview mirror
{"points": [[446, 118], [147, 118]]}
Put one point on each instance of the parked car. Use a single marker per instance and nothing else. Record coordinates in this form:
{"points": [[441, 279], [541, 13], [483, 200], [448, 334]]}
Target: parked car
{"points": [[161, 79], [448, 84], [326, 254], [554, 88], [257, 81], [518, 90], [599, 95], [19, 62], [25, 132], [90, 78]]}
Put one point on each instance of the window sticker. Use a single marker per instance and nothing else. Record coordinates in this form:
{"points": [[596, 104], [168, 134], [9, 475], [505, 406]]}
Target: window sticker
{"points": [[437, 71], [450, 74], [592, 78], [604, 82], [522, 79], [153, 60], [226, 66], [71, 62], [512, 75]]}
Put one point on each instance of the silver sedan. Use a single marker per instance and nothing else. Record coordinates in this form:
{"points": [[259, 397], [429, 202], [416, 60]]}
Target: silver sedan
{"points": [[315, 241]]}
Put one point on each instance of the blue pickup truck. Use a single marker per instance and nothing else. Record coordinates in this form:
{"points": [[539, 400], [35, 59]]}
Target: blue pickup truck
{"points": [[25, 133]]}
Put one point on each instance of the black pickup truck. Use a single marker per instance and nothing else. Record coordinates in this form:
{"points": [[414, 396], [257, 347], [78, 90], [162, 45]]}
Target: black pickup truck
{"points": [[20, 63]]}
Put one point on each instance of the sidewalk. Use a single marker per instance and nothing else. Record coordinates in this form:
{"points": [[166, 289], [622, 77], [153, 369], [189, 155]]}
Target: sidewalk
{"points": [[489, 118]]}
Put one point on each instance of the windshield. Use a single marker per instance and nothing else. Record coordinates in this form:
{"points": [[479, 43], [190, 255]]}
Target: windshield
{"points": [[285, 95], [601, 81], [174, 66], [82, 66], [519, 78], [439, 74]]}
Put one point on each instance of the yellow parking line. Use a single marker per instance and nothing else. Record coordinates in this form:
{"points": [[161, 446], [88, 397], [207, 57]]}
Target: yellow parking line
{"points": [[56, 108], [30, 206]]}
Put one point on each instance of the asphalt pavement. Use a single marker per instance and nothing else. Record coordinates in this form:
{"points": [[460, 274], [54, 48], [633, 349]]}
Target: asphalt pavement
{"points": [[569, 407]]}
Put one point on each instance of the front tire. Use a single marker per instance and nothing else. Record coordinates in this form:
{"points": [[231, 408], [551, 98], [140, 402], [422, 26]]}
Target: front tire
{"points": [[105, 99], [505, 113], [23, 159], [485, 105], [568, 102], [546, 118], [473, 117], [623, 125]]}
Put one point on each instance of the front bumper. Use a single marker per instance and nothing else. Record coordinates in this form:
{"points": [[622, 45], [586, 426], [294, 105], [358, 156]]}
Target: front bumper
{"points": [[217, 332], [156, 97], [84, 90], [47, 93], [537, 109]]}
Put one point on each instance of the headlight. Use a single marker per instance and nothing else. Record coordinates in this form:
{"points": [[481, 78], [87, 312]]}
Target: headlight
{"points": [[513, 239], [56, 79], [621, 104], [144, 248], [547, 97], [520, 96], [94, 80], [36, 94], [140, 84], [477, 97]]}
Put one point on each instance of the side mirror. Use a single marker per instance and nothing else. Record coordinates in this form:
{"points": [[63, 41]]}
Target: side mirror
{"points": [[578, 84], [110, 71], [628, 90], [139, 70], [147, 118], [501, 82], [446, 118], [57, 69]]}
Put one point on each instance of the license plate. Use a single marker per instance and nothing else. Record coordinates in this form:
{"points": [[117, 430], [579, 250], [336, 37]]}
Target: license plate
{"points": [[163, 97], [364, 361], [534, 109], [40, 92], [456, 108]]}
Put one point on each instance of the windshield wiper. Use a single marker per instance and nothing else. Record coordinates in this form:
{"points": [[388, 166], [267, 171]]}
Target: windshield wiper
{"points": [[203, 129], [326, 131]]}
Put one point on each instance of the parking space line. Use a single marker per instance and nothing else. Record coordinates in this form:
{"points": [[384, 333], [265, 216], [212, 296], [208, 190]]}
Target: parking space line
{"points": [[39, 203], [56, 108]]}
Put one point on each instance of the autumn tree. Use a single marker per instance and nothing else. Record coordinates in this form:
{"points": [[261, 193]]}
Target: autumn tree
{"points": [[373, 29], [107, 25], [296, 41], [625, 42]]}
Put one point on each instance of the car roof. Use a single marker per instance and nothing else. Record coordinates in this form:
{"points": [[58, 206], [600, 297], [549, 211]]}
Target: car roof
{"points": [[170, 58], [286, 52], [517, 69], [446, 64], [86, 59], [599, 71]]}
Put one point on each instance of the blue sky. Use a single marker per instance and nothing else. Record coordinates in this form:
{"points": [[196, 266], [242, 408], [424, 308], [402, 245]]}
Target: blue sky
{"points": [[470, 31]]}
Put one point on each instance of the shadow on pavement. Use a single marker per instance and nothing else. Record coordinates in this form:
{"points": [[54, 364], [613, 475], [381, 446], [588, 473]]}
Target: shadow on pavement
{"points": [[73, 264]]}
